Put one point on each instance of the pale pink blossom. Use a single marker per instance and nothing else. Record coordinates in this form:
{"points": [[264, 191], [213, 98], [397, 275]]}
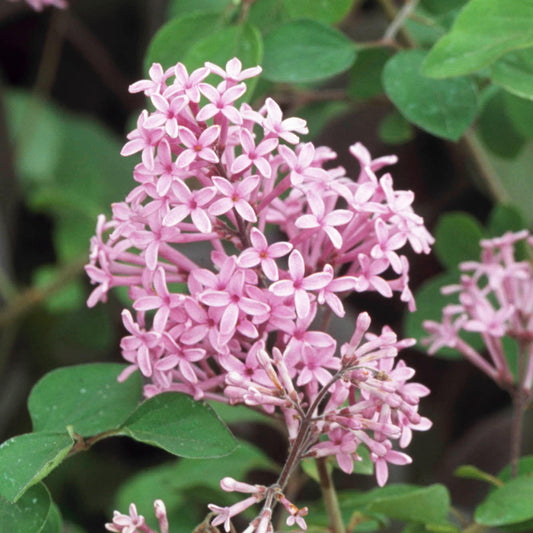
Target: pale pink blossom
{"points": [[263, 254]]}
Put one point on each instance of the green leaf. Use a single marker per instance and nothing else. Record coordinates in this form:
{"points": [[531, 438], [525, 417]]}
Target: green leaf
{"points": [[440, 7], [444, 108], [514, 72], [394, 129], [483, 31], [427, 505], [473, 472], [365, 74], [181, 426], [520, 111], [87, 397], [29, 514], [508, 504], [54, 522], [319, 114], [457, 237], [504, 218], [267, 14], [495, 127], [174, 39], [515, 181], [179, 477], [327, 11], [429, 305], [306, 50], [243, 41], [424, 33], [180, 8], [26, 459], [235, 414]]}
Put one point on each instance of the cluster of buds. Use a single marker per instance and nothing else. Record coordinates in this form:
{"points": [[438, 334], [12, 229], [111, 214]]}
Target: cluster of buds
{"points": [[236, 241], [133, 522], [39, 5], [495, 301]]}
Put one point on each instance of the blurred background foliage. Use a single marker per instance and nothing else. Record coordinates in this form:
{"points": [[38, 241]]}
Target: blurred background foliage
{"points": [[424, 79]]}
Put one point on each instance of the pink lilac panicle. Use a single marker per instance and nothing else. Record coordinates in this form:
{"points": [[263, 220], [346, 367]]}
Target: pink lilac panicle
{"points": [[495, 300], [289, 236]]}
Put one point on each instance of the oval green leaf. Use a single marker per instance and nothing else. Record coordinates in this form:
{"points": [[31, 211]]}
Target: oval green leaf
{"points": [[513, 178], [87, 397], [457, 237], [181, 426], [483, 31], [306, 50], [173, 40], [54, 522], [365, 75], [444, 108], [428, 505], [29, 514], [473, 472], [327, 11], [520, 112], [504, 218], [267, 14], [26, 459], [514, 72], [509, 504], [495, 127]]}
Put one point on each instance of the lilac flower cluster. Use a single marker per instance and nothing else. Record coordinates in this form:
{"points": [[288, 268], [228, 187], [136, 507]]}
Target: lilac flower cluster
{"points": [[283, 238], [133, 522], [496, 301], [39, 5]]}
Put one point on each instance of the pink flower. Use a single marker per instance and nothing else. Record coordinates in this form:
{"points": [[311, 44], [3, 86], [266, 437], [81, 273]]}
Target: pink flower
{"points": [[233, 300], [156, 83], [140, 342], [193, 205], [162, 300], [235, 196], [298, 285], [189, 84], [275, 125], [263, 254], [221, 103], [123, 523], [327, 294], [198, 147], [233, 72], [143, 139], [325, 221], [254, 155]]}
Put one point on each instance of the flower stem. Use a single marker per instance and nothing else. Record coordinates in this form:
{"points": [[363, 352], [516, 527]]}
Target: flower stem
{"points": [[330, 497]]}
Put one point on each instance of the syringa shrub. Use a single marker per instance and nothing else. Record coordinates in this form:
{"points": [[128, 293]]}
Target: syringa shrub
{"points": [[237, 245]]}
